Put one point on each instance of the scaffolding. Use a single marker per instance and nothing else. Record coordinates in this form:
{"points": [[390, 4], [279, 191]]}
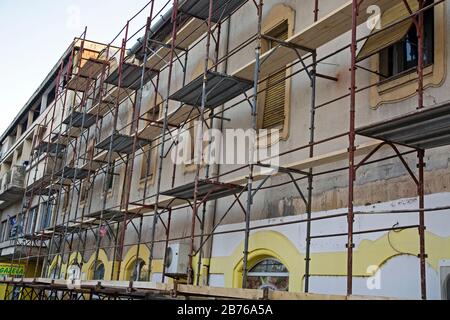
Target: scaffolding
{"points": [[93, 86]]}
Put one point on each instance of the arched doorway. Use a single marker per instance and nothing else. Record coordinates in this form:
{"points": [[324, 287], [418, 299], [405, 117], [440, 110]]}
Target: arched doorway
{"points": [[269, 273]]}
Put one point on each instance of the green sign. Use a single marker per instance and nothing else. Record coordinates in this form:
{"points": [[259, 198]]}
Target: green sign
{"points": [[8, 271]]}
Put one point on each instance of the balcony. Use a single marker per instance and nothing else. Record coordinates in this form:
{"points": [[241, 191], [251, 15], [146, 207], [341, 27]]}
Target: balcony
{"points": [[21, 247], [12, 186]]}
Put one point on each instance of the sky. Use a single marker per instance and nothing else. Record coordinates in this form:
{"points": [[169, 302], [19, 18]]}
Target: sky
{"points": [[35, 34]]}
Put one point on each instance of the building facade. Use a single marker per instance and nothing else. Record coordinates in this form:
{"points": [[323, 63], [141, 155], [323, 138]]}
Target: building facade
{"points": [[103, 175]]}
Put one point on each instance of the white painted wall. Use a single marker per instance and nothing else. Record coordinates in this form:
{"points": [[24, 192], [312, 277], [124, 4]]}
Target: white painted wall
{"points": [[400, 276]]}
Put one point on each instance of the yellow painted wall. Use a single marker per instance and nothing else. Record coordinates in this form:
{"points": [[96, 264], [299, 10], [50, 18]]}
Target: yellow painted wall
{"points": [[368, 253], [271, 244], [19, 271]]}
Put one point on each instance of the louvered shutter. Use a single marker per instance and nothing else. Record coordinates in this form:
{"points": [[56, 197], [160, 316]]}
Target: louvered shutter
{"points": [[274, 106]]}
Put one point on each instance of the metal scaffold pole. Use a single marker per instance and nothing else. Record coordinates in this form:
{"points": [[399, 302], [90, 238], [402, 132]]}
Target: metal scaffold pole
{"points": [[156, 216], [312, 128], [198, 147], [252, 152], [351, 149]]}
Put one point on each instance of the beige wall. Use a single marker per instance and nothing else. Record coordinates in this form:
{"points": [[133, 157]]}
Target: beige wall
{"points": [[383, 182]]}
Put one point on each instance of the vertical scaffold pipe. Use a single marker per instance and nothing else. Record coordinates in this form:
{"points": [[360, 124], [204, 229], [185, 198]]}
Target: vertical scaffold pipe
{"points": [[351, 149], [198, 146], [251, 151], [163, 131]]}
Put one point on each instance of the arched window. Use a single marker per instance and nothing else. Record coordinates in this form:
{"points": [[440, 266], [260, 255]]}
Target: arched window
{"points": [[269, 273], [140, 271], [99, 272]]}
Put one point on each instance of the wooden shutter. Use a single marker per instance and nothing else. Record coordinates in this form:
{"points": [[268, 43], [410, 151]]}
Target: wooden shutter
{"points": [[147, 162], [388, 37], [274, 105]]}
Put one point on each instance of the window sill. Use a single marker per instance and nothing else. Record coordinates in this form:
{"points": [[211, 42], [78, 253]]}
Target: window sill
{"points": [[150, 181], [109, 195], [397, 82], [191, 168]]}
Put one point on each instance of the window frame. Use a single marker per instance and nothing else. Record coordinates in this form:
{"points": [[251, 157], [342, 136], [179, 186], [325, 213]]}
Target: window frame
{"points": [[44, 214], [385, 53], [3, 230], [66, 201], [148, 176], [33, 214], [285, 275], [278, 15], [404, 86], [94, 274]]}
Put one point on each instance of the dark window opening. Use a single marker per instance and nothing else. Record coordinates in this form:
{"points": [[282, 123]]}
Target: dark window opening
{"points": [[47, 212], [110, 177], [403, 56], [36, 115], [269, 273], [274, 104], [13, 228], [31, 221], [24, 127], [3, 230], [51, 96]]}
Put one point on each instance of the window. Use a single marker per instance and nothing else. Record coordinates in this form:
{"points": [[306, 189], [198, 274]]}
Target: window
{"points": [[16, 293], [402, 56], [66, 202], [110, 176], [399, 45], [99, 273], [269, 273], [150, 152], [148, 161], [13, 228], [83, 192], [19, 225], [140, 271], [46, 215], [31, 221], [36, 114], [3, 231], [274, 102], [51, 96]]}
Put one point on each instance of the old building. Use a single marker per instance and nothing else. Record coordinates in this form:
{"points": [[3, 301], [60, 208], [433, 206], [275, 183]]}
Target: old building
{"points": [[133, 160]]}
